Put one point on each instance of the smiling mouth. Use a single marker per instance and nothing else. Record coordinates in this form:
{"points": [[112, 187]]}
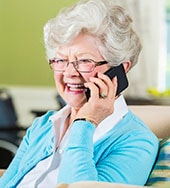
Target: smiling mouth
{"points": [[75, 87]]}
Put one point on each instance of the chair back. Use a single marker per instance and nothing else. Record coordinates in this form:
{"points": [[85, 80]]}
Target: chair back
{"points": [[8, 116]]}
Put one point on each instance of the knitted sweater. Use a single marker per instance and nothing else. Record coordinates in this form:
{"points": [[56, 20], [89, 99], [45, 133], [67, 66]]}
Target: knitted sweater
{"points": [[125, 154]]}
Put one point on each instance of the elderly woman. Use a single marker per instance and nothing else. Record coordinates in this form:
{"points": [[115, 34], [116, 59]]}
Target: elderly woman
{"points": [[94, 139]]}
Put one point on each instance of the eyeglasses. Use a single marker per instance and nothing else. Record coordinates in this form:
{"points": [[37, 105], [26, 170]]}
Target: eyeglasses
{"points": [[82, 65]]}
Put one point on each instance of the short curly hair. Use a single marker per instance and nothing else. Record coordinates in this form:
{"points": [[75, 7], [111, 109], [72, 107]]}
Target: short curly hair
{"points": [[110, 23]]}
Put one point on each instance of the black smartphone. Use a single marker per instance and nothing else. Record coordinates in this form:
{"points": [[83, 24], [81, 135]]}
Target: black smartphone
{"points": [[122, 80]]}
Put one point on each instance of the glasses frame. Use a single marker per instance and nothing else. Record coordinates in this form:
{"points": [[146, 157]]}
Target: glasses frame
{"points": [[75, 64]]}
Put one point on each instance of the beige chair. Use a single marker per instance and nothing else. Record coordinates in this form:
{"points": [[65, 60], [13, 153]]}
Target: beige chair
{"points": [[97, 185], [157, 118]]}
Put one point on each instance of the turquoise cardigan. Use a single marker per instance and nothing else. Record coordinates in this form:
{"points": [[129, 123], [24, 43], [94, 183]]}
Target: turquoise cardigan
{"points": [[125, 154]]}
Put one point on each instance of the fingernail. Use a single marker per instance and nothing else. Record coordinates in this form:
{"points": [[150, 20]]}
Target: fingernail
{"points": [[115, 79], [99, 73]]}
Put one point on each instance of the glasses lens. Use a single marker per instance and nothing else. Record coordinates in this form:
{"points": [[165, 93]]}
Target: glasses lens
{"points": [[58, 64], [85, 65]]}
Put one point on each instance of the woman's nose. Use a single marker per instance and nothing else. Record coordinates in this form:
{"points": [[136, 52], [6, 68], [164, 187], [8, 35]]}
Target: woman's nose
{"points": [[70, 69]]}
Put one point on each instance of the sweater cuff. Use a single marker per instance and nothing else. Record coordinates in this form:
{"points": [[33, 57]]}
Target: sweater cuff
{"points": [[81, 133]]}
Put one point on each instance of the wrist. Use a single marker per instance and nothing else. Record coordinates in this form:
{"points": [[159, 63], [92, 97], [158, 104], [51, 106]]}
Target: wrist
{"points": [[86, 119]]}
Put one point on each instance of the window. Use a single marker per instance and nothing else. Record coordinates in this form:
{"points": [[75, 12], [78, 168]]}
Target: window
{"points": [[163, 87], [168, 44], [164, 60]]}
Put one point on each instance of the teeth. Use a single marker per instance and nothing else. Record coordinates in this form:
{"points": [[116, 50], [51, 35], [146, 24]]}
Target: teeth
{"points": [[75, 85]]}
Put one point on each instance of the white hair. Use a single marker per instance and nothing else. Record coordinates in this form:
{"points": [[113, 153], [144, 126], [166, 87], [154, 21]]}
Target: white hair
{"points": [[110, 23]]}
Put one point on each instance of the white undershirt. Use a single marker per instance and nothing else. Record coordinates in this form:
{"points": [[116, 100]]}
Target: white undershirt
{"points": [[42, 174]]}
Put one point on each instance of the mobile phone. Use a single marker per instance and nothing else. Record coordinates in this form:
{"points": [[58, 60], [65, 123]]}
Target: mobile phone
{"points": [[122, 80]]}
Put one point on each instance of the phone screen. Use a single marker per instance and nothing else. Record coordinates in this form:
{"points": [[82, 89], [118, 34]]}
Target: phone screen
{"points": [[118, 71]]}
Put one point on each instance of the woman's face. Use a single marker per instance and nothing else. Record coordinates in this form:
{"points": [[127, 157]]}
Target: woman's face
{"points": [[70, 83]]}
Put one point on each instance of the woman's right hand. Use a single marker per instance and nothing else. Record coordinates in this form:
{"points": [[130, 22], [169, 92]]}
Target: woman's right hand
{"points": [[100, 104]]}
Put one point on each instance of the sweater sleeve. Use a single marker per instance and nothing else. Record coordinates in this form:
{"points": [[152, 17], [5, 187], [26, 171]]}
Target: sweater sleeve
{"points": [[77, 161], [128, 160]]}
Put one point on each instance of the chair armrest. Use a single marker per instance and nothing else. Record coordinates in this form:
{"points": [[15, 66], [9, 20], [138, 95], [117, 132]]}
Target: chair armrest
{"points": [[94, 184]]}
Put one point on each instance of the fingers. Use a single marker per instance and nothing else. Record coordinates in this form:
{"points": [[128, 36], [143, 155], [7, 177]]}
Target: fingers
{"points": [[102, 87], [103, 91], [110, 84], [94, 90]]}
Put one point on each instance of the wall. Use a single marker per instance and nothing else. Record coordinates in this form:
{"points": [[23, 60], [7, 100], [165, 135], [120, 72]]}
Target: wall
{"points": [[23, 66], [28, 99], [22, 54]]}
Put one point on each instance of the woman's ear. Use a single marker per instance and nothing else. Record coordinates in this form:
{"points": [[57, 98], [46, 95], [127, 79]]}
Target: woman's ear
{"points": [[127, 66]]}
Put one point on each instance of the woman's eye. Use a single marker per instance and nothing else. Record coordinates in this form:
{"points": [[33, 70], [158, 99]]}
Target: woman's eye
{"points": [[84, 61], [61, 61]]}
